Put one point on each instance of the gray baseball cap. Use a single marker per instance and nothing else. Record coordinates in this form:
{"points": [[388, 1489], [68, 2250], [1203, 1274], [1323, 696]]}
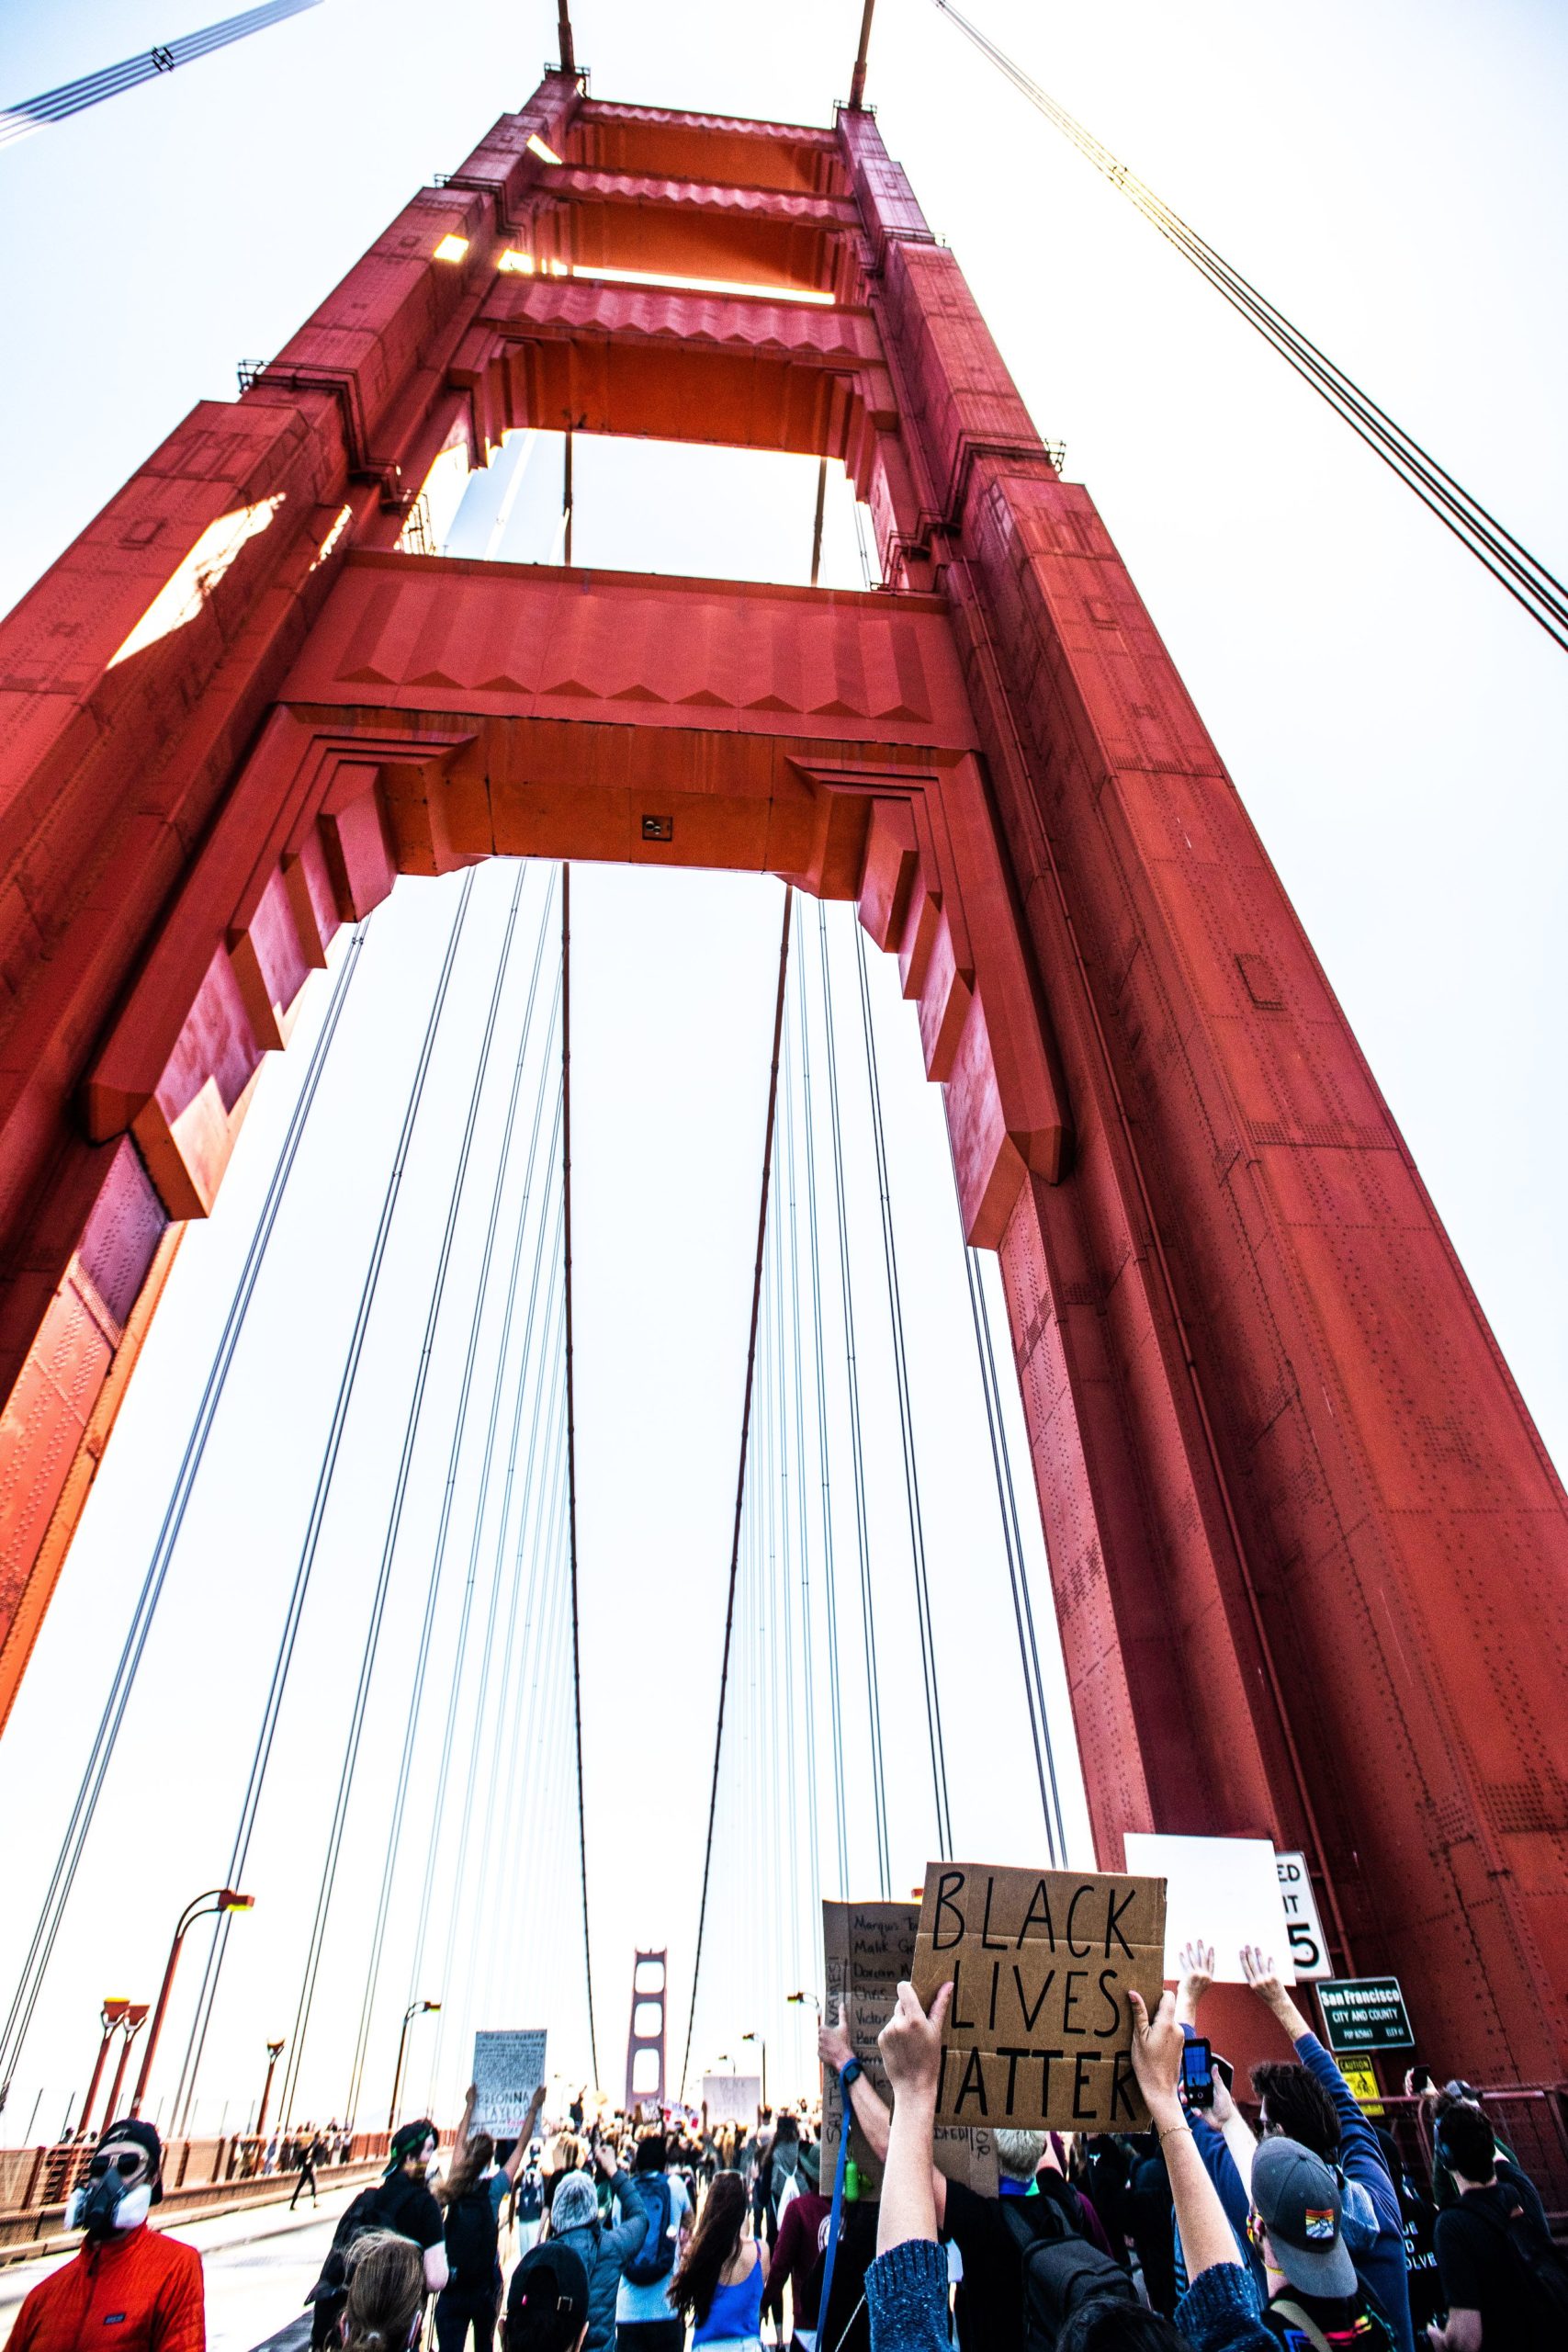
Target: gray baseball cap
{"points": [[1298, 2203]]}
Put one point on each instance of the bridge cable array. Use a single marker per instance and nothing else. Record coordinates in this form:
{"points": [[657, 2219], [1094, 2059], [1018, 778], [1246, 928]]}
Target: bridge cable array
{"points": [[83, 1812], [514, 1653], [1525, 577], [806, 1401]]}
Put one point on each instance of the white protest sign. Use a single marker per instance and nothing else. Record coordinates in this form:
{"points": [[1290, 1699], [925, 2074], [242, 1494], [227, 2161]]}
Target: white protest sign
{"points": [[1309, 1945], [508, 2069], [1219, 1891], [732, 2098]]}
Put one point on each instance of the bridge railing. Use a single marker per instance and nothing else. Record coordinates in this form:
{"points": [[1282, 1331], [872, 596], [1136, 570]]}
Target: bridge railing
{"points": [[199, 2175]]}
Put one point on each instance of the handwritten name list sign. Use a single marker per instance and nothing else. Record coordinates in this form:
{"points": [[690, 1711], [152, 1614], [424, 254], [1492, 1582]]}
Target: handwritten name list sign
{"points": [[1040, 2030], [868, 1950]]}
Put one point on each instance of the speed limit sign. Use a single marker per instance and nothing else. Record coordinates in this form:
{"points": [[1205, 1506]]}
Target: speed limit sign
{"points": [[1309, 1946]]}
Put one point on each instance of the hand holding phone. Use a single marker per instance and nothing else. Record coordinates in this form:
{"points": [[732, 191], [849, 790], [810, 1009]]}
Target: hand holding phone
{"points": [[1197, 2084]]}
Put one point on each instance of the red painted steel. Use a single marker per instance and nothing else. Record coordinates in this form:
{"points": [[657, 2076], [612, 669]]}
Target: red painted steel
{"points": [[1307, 1550]]}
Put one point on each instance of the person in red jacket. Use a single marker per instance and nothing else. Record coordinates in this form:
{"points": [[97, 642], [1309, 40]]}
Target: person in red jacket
{"points": [[130, 2288]]}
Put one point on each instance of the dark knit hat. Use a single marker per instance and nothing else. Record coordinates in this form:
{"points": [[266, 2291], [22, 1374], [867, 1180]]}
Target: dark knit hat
{"points": [[140, 2135], [547, 2304]]}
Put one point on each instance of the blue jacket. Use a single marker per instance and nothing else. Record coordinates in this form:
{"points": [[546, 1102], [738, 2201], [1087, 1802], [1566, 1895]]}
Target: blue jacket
{"points": [[1381, 2266], [905, 2293], [906, 2296], [605, 2254]]}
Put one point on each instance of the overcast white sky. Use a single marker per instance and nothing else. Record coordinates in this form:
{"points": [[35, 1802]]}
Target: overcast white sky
{"points": [[1394, 176]]}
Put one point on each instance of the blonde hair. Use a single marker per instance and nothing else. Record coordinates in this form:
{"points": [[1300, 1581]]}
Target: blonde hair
{"points": [[566, 2153], [386, 2289]]}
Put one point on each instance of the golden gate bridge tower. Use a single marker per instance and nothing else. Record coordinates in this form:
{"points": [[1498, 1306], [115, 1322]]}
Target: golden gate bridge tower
{"points": [[1307, 1549]]}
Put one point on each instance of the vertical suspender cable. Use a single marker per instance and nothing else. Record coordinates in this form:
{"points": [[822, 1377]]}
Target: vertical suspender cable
{"points": [[571, 1429], [857, 1453], [448, 1499], [411, 1718], [1012, 1539], [378, 1602], [906, 1421], [797, 1392], [831, 1596], [741, 1483], [283, 1663], [59, 1891]]}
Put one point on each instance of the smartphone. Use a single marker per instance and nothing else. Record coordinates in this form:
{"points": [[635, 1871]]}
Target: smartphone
{"points": [[1197, 2074], [1224, 2068]]}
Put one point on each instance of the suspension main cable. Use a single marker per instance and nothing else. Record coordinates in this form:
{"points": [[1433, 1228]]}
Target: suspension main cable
{"points": [[370, 1651], [1511, 564], [905, 1421], [58, 1894], [571, 1433], [741, 1483], [857, 1453]]}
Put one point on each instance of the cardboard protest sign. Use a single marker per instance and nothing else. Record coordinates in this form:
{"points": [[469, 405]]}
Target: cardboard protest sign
{"points": [[732, 2098], [1219, 1891], [508, 2069], [1039, 2033], [868, 1949]]}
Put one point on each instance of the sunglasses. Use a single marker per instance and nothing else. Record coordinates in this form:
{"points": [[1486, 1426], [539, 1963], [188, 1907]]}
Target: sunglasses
{"points": [[127, 2165]]}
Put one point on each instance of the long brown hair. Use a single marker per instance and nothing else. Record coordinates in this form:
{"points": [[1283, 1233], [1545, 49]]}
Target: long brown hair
{"points": [[713, 2245], [386, 2289], [476, 2158]]}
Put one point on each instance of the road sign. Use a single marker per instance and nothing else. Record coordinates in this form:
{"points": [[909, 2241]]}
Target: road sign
{"points": [[1365, 2013], [1363, 2084], [1309, 1945]]}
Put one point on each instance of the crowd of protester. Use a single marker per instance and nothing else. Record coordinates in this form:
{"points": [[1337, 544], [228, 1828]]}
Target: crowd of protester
{"points": [[1213, 2231]]}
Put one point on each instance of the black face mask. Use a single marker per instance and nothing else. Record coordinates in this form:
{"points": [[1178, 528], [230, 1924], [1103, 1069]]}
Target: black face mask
{"points": [[117, 2194]]}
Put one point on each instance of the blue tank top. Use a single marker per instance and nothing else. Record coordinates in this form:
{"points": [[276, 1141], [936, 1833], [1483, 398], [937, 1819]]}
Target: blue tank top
{"points": [[737, 2311]]}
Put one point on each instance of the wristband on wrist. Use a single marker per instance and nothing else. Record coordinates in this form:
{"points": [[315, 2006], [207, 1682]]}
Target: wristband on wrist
{"points": [[849, 2073]]}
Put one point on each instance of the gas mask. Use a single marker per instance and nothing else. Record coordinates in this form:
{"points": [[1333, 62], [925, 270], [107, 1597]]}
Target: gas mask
{"points": [[118, 2192]]}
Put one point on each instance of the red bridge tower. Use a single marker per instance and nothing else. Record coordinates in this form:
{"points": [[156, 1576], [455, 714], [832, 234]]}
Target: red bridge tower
{"points": [[1308, 1551]]}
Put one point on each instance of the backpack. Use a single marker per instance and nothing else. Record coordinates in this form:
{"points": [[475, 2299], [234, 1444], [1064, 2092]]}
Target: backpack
{"points": [[470, 2234], [655, 2257], [363, 2214], [1062, 2272], [1544, 2266]]}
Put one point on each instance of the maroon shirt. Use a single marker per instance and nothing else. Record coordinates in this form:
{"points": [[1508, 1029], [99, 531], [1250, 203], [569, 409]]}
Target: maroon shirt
{"points": [[798, 2250]]}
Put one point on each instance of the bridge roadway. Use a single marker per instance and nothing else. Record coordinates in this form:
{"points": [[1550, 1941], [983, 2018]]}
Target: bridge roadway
{"points": [[257, 2265]]}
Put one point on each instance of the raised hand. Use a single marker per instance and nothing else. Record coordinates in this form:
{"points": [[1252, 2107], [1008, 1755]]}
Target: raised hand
{"points": [[1257, 1967], [910, 2043], [1197, 1975], [1157, 2044], [833, 2044]]}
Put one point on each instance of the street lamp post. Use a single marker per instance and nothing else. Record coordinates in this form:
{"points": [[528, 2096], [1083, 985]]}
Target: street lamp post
{"points": [[131, 2025], [415, 2009], [215, 1899], [274, 2052], [761, 2041], [110, 2015], [798, 1998]]}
